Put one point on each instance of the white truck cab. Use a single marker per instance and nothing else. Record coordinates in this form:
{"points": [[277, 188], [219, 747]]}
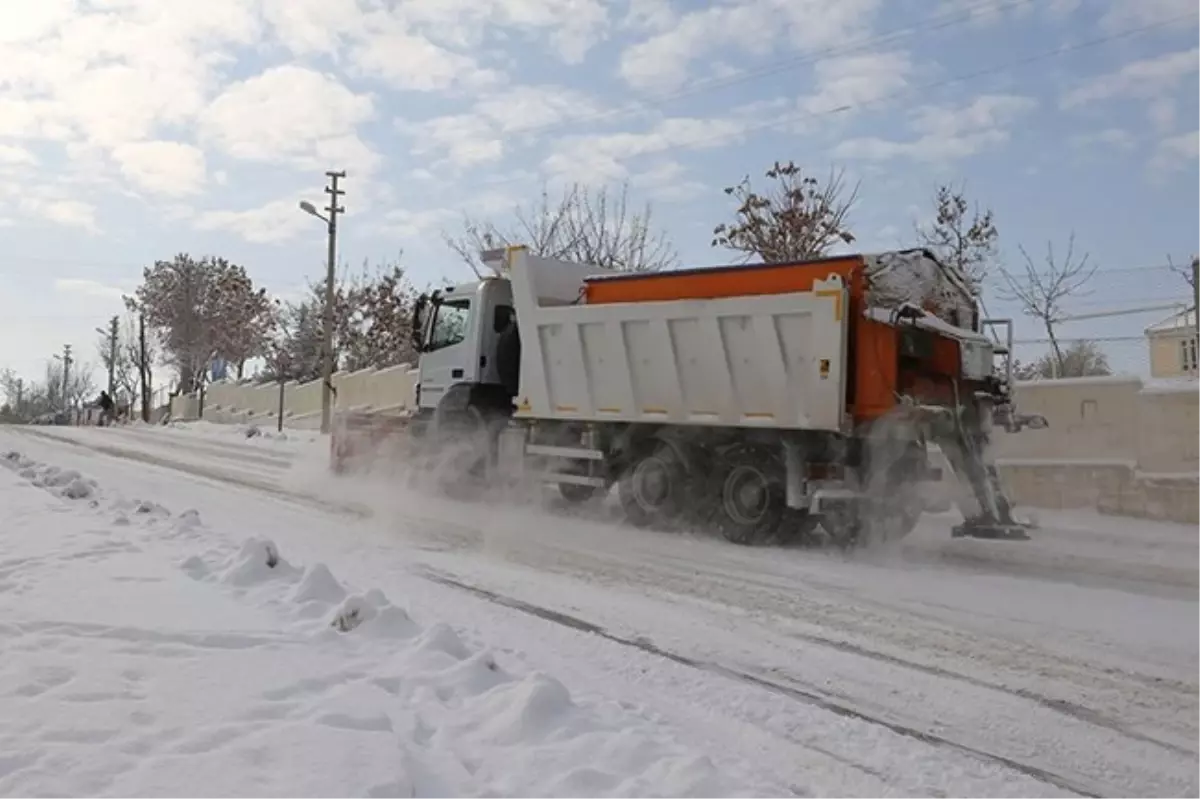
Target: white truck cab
{"points": [[457, 331]]}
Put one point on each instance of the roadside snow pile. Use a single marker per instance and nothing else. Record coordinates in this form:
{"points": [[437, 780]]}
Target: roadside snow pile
{"points": [[63, 482], [148, 653]]}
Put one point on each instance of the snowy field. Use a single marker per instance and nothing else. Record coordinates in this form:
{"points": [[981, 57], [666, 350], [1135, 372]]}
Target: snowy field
{"points": [[188, 611]]}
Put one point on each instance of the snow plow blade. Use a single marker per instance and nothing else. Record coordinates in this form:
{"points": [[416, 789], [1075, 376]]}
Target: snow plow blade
{"points": [[361, 441], [991, 532]]}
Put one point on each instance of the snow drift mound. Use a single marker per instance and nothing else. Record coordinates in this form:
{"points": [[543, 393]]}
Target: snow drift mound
{"points": [[472, 727], [66, 483]]}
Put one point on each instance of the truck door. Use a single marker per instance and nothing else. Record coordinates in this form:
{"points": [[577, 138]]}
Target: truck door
{"points": [[449, 355]]}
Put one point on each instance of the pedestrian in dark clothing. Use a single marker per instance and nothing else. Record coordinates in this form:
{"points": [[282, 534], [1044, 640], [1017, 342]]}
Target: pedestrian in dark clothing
{"points": [[106, 408]]}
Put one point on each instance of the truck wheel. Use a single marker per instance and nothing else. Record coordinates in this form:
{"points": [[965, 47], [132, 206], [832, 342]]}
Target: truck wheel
{"points": [[652, 489], [752, 498]]}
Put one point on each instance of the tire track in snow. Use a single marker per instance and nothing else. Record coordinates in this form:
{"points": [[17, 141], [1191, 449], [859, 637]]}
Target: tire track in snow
{"points": [[806, 694], [237, 453]]}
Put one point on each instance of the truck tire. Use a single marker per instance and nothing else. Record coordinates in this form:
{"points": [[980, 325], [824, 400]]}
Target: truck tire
{"points": [[751, 497], [652, 488]]}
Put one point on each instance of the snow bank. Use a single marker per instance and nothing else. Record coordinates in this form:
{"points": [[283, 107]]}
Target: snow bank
{"points": [[204, 664], [66, 483]]}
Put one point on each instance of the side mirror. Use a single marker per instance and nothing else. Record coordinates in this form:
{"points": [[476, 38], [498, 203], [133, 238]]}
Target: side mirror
{"points": [[418, 319]]}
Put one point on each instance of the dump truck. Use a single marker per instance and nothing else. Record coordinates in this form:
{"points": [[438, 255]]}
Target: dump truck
{"points": [[767, 402]]}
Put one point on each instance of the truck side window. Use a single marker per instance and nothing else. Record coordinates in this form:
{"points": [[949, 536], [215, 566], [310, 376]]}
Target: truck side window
{"points": [[449, 325]]}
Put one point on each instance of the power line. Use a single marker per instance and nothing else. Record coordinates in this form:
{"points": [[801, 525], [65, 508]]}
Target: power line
{"points": [[791, 119], [936, 22], [1080, 339]]}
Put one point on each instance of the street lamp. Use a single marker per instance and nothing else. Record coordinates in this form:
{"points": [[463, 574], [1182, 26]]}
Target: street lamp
{"points": [[331, 224]]}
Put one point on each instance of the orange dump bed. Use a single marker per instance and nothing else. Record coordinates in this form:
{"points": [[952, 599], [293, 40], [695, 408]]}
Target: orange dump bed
{"points": [[723, 281], [875, 375]]}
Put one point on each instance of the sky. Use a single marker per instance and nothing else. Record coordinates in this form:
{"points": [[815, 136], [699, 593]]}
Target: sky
{"points": [[132, 130]]}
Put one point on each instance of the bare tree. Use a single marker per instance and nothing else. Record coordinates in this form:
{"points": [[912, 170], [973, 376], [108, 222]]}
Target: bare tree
{"points": [[77, 389], [801, 217], [141, 351], [1041, 293], [961, 235], [15, 393], [1187, 272], [582, 225]]}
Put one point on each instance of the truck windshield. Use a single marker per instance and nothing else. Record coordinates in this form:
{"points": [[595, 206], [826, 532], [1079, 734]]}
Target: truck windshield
{"points": [[449, 323]]}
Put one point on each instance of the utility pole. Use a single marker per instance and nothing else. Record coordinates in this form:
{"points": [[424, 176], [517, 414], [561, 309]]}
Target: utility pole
{"points": [[20, 397], [333, 209], [143, 367], [113, 328], [1196, 296], [66, 384]]}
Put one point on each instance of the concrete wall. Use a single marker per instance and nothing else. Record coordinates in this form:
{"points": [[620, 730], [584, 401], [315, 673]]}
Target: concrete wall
{"points": [[1114, 444], [367, 390]]}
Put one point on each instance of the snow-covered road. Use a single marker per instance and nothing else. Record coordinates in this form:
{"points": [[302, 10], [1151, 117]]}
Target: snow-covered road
{"points": [[1063, 665]]}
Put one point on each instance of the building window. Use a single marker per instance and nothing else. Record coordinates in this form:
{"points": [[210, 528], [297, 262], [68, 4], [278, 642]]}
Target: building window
{"points": [[1187, 355]]}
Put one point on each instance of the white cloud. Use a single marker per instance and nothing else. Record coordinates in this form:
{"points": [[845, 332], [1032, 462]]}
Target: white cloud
{"points": [[1185, 146], [649, 15], [167, 168], [21, 22], [89, 288], [1125, 14], [599, 159], [158, 58], [271, 223], [990, 13], [309, 27], [662, 62], [946, 134], [414, 224], [853, 80], [409, 61], [484, 135], [521, 108], [1145, 79], [668, 181], [292, 115], [69, 213], [464, 140], [571, 26], [1117, 138], [11, 155]]}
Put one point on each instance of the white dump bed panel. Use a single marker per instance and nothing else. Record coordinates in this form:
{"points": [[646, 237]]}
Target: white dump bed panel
{"points": [[771, 361]]}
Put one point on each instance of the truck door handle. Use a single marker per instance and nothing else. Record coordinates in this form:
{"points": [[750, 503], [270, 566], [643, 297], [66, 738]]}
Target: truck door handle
{"points": [[456, 373]]}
